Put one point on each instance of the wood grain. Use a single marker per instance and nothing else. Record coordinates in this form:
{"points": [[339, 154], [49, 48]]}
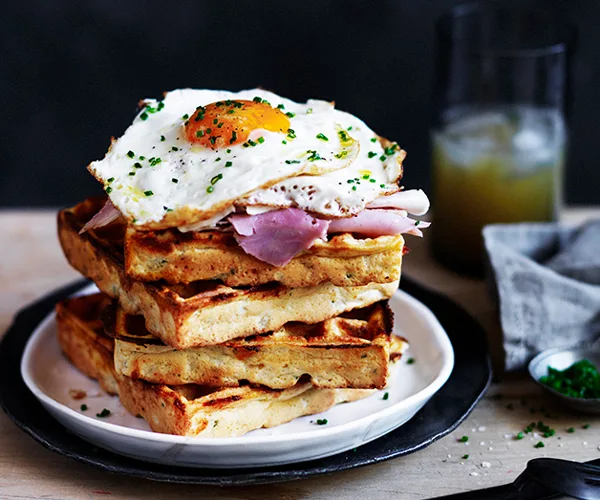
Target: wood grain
{"points": [[32, 265]]}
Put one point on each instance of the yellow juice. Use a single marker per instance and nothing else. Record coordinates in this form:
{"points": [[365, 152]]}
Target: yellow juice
{"points": [[489, 183]]}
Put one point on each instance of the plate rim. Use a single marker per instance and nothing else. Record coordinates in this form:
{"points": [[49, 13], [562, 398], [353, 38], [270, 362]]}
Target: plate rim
{"points": [[55, 438], [116, 430]]}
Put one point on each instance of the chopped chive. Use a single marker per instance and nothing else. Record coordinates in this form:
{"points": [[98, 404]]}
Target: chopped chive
{"points": [[228, 163], [144, 116], [110, 180], [228, 151], [257, 99], [539, 445], [366, 176], [463, 439], [162, 138], [349, 128], [251, 142], [386, 396], [215, 121], [341, 154], [465, 457], [390, 150], [131, 174], [261, 140], [208, 130], [142, 158], [210, 189], [372, 180], [586, 426], [218, 159], [280, 106], [322, 421], [185, 117], [291, 133], [200, 133], [174, 181], [309, 111], [154, 161], [290, 114], [371, 154], [322, 137], [83, 407], [131, 154], [519, 436], [410, 361], [382, 158], [353, 188], [174, 148], [381, 186], [137, 164], [108, 190], [212, 140], [314, 156], [343, 136], [571, 430], [290, 162], [374, 139], [216, 179], [103, 413], [230, 111], [284, 142], [233, 137]]}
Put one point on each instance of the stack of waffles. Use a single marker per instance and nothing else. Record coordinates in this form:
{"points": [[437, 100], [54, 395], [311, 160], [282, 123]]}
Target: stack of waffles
{"points": [[202, 339]]}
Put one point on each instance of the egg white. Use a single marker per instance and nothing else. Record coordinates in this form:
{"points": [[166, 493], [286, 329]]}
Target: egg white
{"points": [[153, 169]]}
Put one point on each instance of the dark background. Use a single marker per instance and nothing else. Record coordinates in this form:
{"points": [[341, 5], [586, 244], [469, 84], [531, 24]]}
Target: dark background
{"points": [[71, 73]]}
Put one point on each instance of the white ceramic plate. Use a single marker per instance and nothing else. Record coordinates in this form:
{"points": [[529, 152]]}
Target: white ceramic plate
{"points": [[50, 377]]}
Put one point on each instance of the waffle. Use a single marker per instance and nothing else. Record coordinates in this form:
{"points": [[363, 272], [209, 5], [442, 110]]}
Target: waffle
{"points": [[189, 410], [178, 257], [351, 351], [202, 312]]}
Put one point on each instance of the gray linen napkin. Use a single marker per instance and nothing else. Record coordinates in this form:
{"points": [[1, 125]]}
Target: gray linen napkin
{"points": [[548, 282]]}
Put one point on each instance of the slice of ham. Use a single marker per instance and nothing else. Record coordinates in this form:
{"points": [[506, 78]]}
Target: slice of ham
{"points": [[414, 201], [374, 223], [276, 237], [107, 214]]}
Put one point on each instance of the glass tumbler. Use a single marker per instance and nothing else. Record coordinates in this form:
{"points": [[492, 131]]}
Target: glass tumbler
{"points": [[499, 135]]}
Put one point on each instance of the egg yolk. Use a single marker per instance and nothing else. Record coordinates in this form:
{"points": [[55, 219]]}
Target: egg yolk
{"points": [[226, 123]]}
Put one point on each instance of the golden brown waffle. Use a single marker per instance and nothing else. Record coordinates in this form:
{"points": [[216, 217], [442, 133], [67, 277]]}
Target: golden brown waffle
{"points": [[178, 257], [203, 312], [350, 351], [189, 410]]}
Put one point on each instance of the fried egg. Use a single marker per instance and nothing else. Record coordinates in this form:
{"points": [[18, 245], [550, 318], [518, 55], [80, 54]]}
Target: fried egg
{"points": [[193, 157]]}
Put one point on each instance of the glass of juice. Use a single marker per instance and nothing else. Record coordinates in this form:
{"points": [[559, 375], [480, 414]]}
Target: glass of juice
{"points": [[499, 136]]}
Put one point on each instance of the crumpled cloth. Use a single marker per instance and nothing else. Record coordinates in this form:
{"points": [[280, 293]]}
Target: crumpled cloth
{"points": [[547, 277]]}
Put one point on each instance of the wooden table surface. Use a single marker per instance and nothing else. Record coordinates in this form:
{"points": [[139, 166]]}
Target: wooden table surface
{"points": [[32, 264]]}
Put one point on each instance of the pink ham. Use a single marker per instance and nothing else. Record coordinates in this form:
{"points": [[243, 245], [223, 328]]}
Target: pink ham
{"points": [[375, 223], [414, 201], [103, 217], [276, 237]]}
